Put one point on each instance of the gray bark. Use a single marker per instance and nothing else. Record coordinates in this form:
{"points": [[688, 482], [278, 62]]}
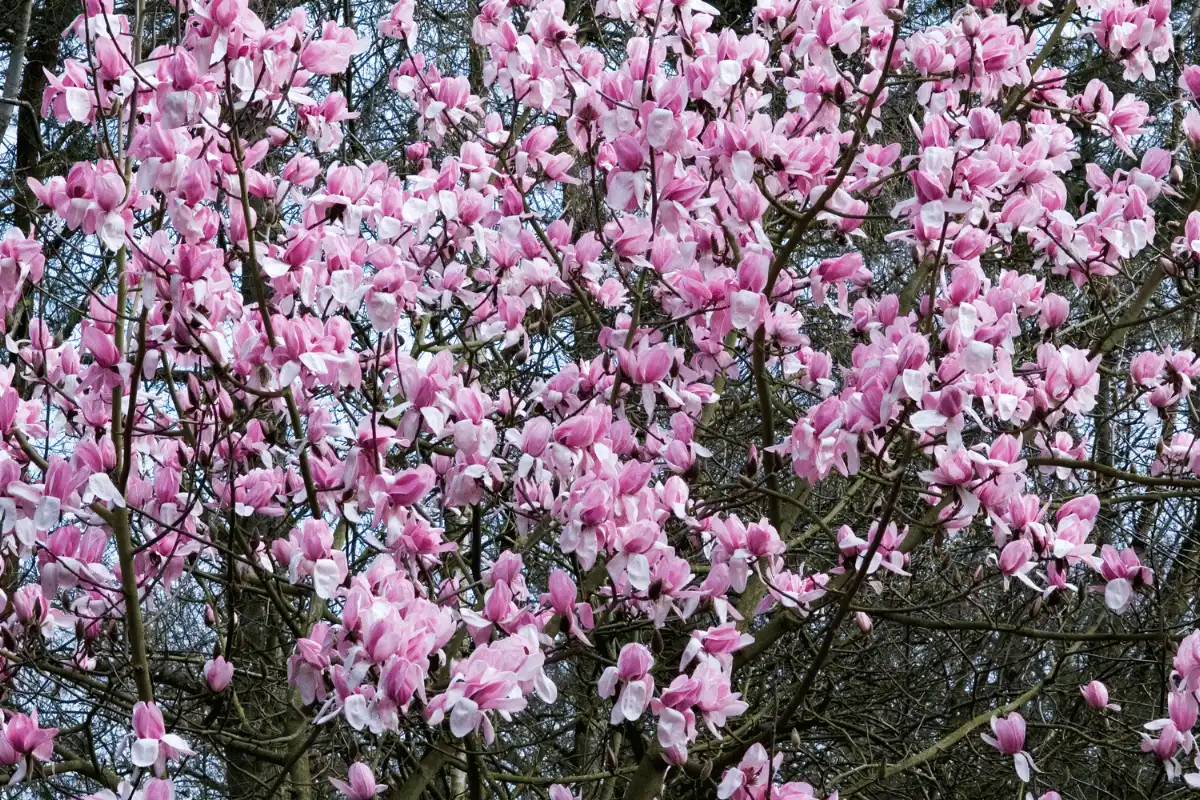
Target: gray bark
{"points": [[16, 66]]}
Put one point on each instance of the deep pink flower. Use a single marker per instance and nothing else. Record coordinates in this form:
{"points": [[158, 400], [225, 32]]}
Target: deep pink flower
{"points": [[1096, 695], [1010, 739], [361, 785], [152, 745], [218, 673]]}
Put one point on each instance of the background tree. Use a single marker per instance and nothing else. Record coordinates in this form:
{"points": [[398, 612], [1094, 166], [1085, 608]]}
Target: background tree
{"points": [[643, 398]]}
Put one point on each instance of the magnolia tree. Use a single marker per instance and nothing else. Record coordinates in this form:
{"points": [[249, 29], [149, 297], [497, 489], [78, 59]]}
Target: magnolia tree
{"points": [[624, 400]]}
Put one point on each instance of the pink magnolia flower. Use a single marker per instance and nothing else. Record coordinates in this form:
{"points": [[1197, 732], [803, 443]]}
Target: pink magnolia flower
{"points": [[308, 552], [1010, 739], [496, 677], [719, 643], [1145, 368], [1169, 742], [331, 54], [1016, 561], [152, 745], [1055, 310], [1182, 710], [1124, 574], [578, 616], [32, 609], [465, 413], [159, 789], [632, 673], [1187, 661], [754, 772], [218, 673], [1095, 694], [361, 785], [21, 740]]}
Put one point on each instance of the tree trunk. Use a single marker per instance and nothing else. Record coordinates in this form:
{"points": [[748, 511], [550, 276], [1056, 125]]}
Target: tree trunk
{"points": [[16, 66]]}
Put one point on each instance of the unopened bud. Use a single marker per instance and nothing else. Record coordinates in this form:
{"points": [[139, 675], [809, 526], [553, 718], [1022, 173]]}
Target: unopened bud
{"points": [[970, 24], [752, 462]]}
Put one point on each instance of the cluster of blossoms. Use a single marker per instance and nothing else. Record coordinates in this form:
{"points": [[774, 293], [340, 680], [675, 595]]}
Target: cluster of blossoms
{"points": [[753, 779], [289, 377]]}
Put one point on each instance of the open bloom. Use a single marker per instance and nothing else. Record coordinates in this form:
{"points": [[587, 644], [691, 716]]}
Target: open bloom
{"points": [[152, 744], [1168, 744], [637, 686], [22, 740], [1010, 740]]}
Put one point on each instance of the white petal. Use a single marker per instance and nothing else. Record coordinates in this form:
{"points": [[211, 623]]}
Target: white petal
{"points": [[414, 208], [47, 513], [79, 103], [144, 752], [914, 384], [924, 420], [388, 228], [546, 689], [102, 486], [274, 267], [177, 743], [355, 710], [112, 231], [1117, 595], [632, 701], [448, 201], [1022, 765], [742, 166], [638, 570], [464, 717], [730, 71], [672, 728], [933, 215], [742, 307], [326, 577], [977, 358], [659, 127]]}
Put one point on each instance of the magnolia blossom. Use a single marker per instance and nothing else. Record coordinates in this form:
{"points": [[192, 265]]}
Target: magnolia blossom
{"points": [[152, 789], [23, 741], [636, 685], [1010, 739], [1095, 694], [152, 746], [666, 345], [218, 673], [361, 784]]}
